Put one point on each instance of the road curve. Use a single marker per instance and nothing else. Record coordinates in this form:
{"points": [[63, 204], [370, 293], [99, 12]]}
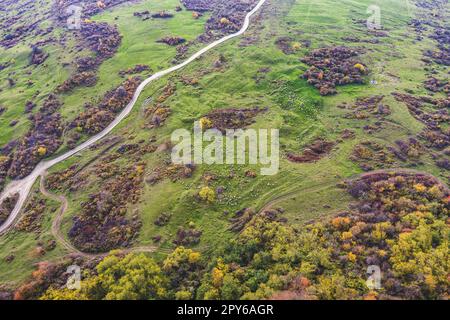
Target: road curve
{"points": [[23, 187], [271, 203]]}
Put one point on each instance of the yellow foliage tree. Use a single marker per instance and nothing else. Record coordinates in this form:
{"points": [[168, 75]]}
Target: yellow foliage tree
{"points": [[42, 151], [346, 235], [360, 67], [207, 194], [225, 21], [420, 187], [351, 257], [296, 46], [205, 123]]}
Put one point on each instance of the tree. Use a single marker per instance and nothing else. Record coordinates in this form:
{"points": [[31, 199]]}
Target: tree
{"points": [[205, 123], [360, 67], [42, 151], [183, 268], [207, 194], [65, 294], [133, 277], [224, 21]]}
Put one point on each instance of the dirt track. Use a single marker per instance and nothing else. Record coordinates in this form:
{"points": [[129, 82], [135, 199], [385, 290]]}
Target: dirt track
{"points": [[24, 186]]}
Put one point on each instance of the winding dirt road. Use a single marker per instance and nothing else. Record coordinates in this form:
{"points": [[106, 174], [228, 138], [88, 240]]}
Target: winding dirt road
{"points": [[23, 187], [56, 228]]}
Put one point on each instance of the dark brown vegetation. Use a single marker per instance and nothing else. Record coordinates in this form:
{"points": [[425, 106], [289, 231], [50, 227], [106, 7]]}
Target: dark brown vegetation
{"points": [[163, 219], [102, 224], [289, 46], [144, 15], [139, 68], [101, 38], [430, 22], [223, 119], [5, 162], [365, 107], [31, 220], [410, 149], [156, 115], [90, 8], [187, 236], [21, 25], [48, 273], [371, 155], [170, 171], [226, 16], [95, 118], [87, 64], [433, 114], [243, 217], [436, 85], [7, 206], [442, 55], [87, 79], [37, 56], [198, 5], [399, 224], [62, 180], [172, 41], [314, 152], [162, 15], [332, 67], [29, 106], [43, 139]]}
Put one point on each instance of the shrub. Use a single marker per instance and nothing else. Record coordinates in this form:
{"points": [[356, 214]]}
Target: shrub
{"points": [[207, 194]]}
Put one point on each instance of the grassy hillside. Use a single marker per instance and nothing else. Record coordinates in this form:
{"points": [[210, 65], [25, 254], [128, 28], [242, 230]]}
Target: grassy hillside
{"points": [[247, 72]]}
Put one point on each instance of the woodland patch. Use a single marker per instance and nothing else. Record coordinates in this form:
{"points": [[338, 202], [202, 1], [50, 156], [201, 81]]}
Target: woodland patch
{"points": [[96, 118], [433, 114], [232, 118], [370, 155], [226, 16], [312, 153], [139, 68], [364, 107], [173, 172], [332, 67], [172, 40], [86, 79], [31, 220], [102, 224], [43, 139], [37, 56], [397, 217], [187, 236]]}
